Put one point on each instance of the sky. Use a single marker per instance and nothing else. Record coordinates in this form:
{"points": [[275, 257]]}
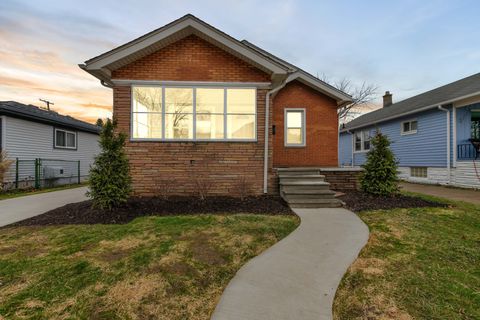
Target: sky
{"points": [[405, 46]]}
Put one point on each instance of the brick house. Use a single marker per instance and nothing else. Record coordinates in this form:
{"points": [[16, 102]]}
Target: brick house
{"points": [[194, 100]]}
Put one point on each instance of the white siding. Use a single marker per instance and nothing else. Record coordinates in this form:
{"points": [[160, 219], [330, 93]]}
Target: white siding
{"points": [[465, 175], [28, 140]]}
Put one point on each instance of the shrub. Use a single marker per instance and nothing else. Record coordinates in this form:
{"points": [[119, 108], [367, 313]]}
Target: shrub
{"points": [[380, 169], [5, 164], [110, 181]]}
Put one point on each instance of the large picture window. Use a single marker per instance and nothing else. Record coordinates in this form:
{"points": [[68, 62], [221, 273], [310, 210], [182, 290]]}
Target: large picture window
{"points": [[193, 113]]}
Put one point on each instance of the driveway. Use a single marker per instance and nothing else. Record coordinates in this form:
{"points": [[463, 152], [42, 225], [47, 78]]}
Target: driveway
{"points": [[21, 208], [467, 195], [297, 277]]}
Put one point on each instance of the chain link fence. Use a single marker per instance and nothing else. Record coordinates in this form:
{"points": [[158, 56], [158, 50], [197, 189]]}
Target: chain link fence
{"points": [[41, 173]]}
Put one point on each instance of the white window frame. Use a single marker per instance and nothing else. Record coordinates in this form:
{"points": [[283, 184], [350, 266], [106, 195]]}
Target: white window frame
{"points": [[416, 170], [362, 141], [193, 86], [64, 147], [304, 131], [404, 133]]}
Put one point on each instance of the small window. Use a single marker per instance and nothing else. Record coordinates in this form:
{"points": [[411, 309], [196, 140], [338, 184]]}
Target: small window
{"points": [[418, 172], [295, 127], [65, 139], [358, 141], [366, 140], [409, 127]]}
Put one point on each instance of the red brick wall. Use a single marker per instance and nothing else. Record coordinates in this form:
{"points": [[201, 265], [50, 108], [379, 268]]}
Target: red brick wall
{"points": [[191, 59], [321, 128], [180, 164]]}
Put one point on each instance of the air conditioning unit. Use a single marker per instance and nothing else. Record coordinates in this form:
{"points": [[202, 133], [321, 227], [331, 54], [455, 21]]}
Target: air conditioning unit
{"points": [[52, 172]]}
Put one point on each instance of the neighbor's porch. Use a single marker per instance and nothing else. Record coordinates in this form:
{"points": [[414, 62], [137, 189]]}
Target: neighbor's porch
{"points": [[467, 132]]}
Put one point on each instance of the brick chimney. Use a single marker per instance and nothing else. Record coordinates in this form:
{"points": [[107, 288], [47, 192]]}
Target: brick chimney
{"points": [[387, 99]]}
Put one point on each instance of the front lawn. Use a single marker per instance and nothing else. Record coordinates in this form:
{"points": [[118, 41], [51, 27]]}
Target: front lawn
{"points": [[153, 267], [419, 263]]}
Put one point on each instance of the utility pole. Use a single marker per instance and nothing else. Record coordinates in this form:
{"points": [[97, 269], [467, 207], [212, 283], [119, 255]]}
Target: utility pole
{"points": [[48, 103]]}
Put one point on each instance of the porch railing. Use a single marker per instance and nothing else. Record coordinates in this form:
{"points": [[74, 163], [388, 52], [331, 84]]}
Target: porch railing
{"points": [[466, 151]]}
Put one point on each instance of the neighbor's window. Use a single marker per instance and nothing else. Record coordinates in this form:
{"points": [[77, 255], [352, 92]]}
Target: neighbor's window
{"points": [[409, 127], [65, 139], [194, 113], [295, 127], [475, 124], [418, 172], [362, 140]]}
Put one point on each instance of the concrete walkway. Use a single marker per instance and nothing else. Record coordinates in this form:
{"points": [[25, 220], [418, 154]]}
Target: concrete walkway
{"points": [[467, 195], [21, 208], [297, 277]]}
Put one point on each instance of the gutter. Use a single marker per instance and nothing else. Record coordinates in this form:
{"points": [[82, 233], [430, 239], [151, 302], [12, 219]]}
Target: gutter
{"points": [[448, 141], [267, 132], [415, 111]]}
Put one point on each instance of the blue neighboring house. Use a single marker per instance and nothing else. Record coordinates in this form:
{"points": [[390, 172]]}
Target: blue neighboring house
{"points": [[435, 135]]}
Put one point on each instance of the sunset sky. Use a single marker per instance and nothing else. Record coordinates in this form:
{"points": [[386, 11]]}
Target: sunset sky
{"points": [[406, 47]]}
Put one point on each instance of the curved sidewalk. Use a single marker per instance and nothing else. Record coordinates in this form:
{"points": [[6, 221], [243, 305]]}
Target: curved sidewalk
{"points": [[297, 277], [21, 208]]}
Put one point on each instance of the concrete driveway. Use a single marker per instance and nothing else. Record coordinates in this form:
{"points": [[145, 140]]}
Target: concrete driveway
{"points": [[297, 278], [21, 208]]}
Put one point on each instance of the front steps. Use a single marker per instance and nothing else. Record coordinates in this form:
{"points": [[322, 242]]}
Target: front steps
{"points": [[306, 188]]}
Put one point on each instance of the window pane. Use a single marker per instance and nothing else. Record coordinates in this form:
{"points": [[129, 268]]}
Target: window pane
{"points": [[406, 126], [241, 126], [210, 100], [60, 139], [179, 126], [413, 125], [179, 100], [147, 125], [358, 141], [294, 119], [147, 99], [294, 136], [71, 140], [210, 126], [241, 101]]}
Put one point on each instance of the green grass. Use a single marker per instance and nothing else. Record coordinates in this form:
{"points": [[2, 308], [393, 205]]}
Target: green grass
{"points": [[419, 263], [28, 192], [151, 268]]}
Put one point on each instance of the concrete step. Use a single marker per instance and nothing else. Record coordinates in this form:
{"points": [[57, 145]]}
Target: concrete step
{"points": [[314, 205], [304, 183], [296, 189], [297, 171], [298, 197], [307, 191], [300, 176], [310, 178], [317, 201]]}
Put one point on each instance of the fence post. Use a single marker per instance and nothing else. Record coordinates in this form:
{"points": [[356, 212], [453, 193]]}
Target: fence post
{"points": [[78, 167], [16, 173], [37, 173]]}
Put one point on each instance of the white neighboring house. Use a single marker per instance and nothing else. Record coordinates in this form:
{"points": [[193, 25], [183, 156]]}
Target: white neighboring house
{"points": [[67, 146]]}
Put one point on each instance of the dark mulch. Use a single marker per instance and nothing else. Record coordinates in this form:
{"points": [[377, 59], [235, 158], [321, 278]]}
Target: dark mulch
{"points": [[83, 213], [359, 201]]}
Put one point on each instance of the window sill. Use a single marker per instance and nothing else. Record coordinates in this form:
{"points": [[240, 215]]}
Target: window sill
{"points": [[361, 151], [295, 146], [193, 141], [408, 133]]}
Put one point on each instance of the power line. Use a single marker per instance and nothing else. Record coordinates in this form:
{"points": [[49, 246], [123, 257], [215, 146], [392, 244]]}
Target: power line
{"points": [[48, 103]]}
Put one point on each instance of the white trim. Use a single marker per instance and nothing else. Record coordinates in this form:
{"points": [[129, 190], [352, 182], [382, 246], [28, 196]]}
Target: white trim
{"points": [[193, 140], [3, 134], [64, 147], [448, 141], [454, 134], [433, 106], [303, 128], [188, 24], [406, 133], [139, 83]]}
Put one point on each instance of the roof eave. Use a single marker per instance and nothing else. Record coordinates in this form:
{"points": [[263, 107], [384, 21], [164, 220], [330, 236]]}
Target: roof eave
{"points": [[341, 97]]}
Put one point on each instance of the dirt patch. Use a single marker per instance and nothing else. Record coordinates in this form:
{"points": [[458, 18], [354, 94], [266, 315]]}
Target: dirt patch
{"points": [[370, 266], [359, 201], [7, 250], [83, 213], [204, 251]]}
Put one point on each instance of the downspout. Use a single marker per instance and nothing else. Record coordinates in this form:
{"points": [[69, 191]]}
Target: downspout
{"points": [[267, 130], [353, 146], [448, 141]]}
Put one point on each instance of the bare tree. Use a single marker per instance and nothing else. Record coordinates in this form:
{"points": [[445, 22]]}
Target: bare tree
{"points": [[361, 95]]}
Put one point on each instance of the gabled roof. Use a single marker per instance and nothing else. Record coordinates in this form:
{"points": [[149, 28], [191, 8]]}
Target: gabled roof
{"points": [[305, 77], [35, 114], [447, 94], [102, 66]]}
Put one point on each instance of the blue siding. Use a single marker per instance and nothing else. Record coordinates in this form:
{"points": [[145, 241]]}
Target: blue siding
{"points": [[345, 149], [427, 147]]}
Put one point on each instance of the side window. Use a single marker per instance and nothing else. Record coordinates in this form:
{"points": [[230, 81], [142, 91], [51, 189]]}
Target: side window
{"points": [[409, 127], [65, 139], [295, 127], [366, 140], [358, 141]]}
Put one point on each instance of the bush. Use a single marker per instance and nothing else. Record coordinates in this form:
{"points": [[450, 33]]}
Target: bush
{"points": [[5, 164], [110, 181], [380, 169]]}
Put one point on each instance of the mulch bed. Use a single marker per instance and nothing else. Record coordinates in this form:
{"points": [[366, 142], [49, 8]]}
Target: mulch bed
{"points": [[83, 213], [359, 201]]}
